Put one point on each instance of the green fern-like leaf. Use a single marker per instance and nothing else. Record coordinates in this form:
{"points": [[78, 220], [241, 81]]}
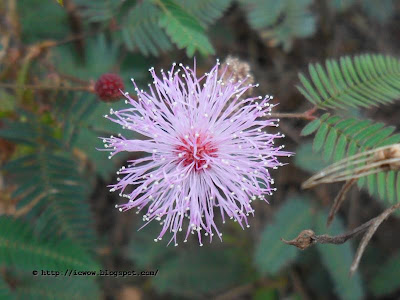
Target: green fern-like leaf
{"points": [[82, 121], [20, 248], [337, 138], [52, 183], [280, 21], [48, 179], [271, 256], [94, 66], [49, 287], [141, 30], [29, 131], [215, 271], [99, 11], [53, 22], [337, 259], [183, 28], [206, 11], [363, 81]]}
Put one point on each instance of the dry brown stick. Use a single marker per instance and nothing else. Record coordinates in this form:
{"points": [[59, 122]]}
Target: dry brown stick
{"points": [[76, 24], [307, 238], [288, 115], [73, 78], [380, 159], [339, 200], [77, 37], [368, 235], [25, 209], [45, 87], [307, 115]]}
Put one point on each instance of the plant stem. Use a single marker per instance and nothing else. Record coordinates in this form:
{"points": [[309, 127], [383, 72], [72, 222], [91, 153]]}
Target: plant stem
{"points": [[289, 115], [45, 87], [307, 115], [307, 237]]}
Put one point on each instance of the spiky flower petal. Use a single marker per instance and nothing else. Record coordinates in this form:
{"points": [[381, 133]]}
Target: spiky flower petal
{"points": [[207, 151]]}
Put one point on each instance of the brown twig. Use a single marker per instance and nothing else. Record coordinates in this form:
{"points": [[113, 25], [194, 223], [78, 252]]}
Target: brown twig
{"points": [[339, 200], [77, 37], [76, 24], [366, 163], [368, 235], [28, 207], [307, 238], [53, 70], [307, 115], [72, 78], [46, 87]]}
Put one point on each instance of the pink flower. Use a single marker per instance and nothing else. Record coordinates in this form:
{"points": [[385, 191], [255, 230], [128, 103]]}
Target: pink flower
{"points": [[207, 151]]}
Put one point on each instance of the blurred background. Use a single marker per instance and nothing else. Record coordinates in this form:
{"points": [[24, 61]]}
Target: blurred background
{"points": [[56, 212]]}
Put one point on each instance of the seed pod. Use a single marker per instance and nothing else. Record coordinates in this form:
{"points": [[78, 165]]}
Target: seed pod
{"points": [[108, 87]]}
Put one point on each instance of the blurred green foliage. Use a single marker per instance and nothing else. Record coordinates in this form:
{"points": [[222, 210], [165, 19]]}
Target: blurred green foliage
{"points": [[386, 279], [337, 260], [56, 171], [281, 21], [271, 257], [307, 160], [53, 26]]}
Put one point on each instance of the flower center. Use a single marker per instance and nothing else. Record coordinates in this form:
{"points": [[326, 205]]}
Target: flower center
{"points": [[197, 149]]}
